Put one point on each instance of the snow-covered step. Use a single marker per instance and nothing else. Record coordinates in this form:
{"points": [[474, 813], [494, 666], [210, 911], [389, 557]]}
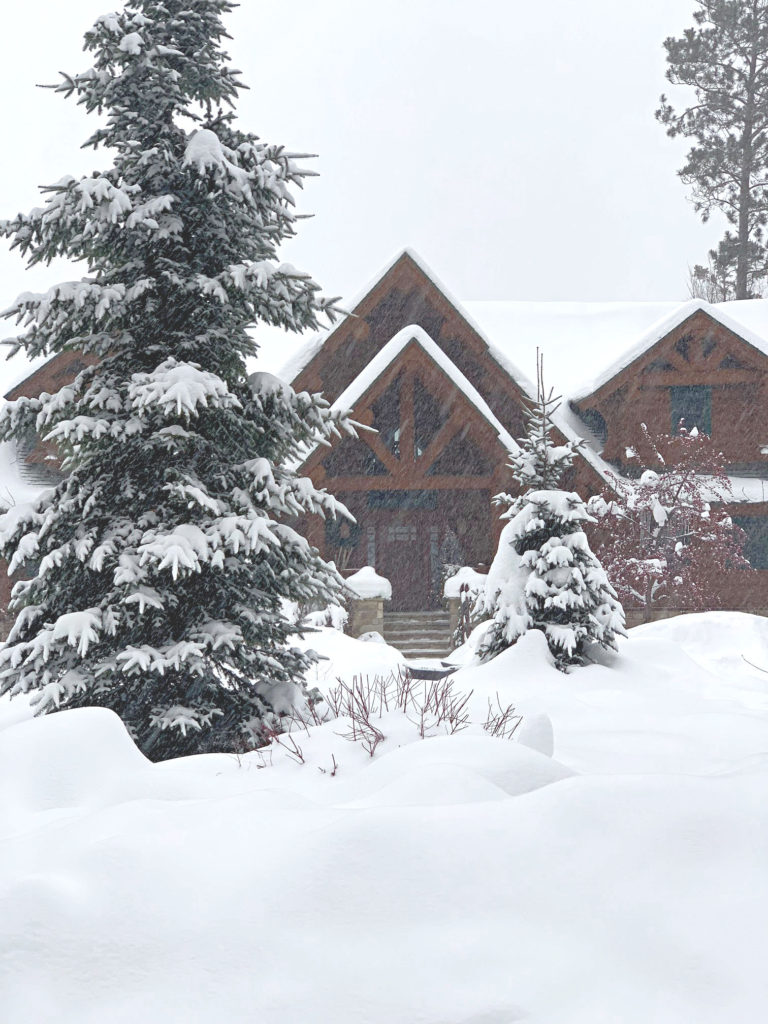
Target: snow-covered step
{"points": [[419, 634]]}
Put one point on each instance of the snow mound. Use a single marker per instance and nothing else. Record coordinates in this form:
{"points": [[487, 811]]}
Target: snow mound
{"points": [[462, 768], [72, 759], [474, 878], [466, 575], [344, 657], [724, 642], [367, 584]]}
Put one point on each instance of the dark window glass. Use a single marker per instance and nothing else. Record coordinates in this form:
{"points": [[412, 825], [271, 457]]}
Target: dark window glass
{"points": [[428, 417], [353, 458], [386, 416], [692, 405], [756, 544], [595, 421], [460, 457]]}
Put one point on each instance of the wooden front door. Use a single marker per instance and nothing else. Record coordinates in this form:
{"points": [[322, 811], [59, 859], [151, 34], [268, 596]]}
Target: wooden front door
{"points": [[404, 542]]}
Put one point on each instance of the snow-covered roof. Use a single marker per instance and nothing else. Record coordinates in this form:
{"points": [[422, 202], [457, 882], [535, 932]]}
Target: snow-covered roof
{"points": [[17, 369], [386, 355], [660, 329], [583, 343]]}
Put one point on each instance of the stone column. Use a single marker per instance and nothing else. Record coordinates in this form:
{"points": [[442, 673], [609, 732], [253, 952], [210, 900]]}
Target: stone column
{"points": [[366, 615]]}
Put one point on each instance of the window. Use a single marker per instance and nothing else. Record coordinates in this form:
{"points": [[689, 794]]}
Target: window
{"points": [[595, 421], [461, 457], [352, 457], [756, 544], [693, 405], [386, 416]]}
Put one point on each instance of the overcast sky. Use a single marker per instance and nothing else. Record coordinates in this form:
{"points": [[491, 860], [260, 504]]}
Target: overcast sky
{"points": [[512, 144]]}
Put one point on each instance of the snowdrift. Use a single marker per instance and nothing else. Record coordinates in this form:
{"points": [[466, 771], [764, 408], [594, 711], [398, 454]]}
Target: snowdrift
{"points": [[451, 880]]}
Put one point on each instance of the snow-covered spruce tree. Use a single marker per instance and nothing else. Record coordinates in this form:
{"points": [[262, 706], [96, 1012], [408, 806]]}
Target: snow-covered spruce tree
{"points": [[157, 570], [544, 575]]}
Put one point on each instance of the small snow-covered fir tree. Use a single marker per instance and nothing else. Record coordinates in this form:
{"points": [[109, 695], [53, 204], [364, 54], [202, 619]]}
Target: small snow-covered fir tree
{"points": [[157, 572], [544, 575]]}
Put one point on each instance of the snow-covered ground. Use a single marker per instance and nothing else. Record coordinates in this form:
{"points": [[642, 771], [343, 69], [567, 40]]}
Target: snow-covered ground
{"points": [[458, 879]]}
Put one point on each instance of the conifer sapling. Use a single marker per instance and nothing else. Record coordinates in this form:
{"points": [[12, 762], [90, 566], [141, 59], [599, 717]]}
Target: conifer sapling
{"points": [[544, 575]]}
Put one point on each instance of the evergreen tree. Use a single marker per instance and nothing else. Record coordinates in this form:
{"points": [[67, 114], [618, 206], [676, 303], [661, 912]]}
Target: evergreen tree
{"points": [[724, 60], [158, 570], [544, 575]]}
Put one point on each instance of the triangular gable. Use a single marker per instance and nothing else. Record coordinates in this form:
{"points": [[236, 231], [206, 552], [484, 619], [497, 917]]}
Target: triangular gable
{"points": [[359, 397], [408, 293], [412, 348], [387, 356], [649, 351]]}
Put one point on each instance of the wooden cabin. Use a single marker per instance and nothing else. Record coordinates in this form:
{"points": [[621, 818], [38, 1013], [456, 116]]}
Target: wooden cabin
{"points": [[444, 414], [444, 405]]}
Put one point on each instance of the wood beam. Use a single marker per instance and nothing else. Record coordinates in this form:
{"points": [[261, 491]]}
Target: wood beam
{"points": [[338, 484]]}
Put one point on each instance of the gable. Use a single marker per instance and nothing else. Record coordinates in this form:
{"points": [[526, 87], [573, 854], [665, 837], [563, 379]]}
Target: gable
{"points": [[406, 294], [430, 428], [701, 373], [698, 349]]}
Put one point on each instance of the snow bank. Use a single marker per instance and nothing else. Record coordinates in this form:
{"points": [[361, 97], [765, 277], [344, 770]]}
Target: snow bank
{"points": [[472, 878], [344, 657], [367, 584]]}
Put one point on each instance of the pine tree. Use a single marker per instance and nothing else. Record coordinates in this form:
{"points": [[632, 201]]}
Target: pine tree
{"points": [[157, 571], [544, 575], [724, 60]]}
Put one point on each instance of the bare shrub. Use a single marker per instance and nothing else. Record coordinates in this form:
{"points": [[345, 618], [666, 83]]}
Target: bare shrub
{"points": [[501, 721], [433, 706]]}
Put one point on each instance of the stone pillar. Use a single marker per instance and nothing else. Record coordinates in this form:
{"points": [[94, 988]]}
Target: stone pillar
{"points": [[454, 606], [366, 615]]}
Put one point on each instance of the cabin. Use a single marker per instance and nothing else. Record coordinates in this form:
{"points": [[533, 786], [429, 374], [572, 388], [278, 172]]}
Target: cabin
{"points": [[435, 387], [702, 368], [443, 412]]}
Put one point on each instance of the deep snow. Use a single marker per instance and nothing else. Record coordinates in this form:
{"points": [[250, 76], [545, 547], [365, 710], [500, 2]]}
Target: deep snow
{"points": [[453, 880]]}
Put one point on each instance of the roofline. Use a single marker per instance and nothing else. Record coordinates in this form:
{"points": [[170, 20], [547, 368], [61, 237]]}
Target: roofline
{"points": [[384, 358], [658, 332], [387, 355], [301, 360]]}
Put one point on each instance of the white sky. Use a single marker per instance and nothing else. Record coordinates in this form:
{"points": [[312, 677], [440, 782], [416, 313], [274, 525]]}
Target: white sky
{"points": [[513, 144]]}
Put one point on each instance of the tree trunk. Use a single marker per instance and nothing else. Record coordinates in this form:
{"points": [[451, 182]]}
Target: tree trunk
{"points": [[745, 192]]}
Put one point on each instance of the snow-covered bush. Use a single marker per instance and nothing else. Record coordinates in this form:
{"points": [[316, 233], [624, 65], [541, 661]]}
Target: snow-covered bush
{"points": [[465, 586], [665, 537], [159, 567], [334, 616], [544, 575]]}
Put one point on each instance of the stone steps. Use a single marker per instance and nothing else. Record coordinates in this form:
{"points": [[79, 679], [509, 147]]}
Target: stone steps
{"points": [[419, 634]]}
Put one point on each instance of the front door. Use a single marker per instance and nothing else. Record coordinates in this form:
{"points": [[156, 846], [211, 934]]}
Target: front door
{"points": [[403, 556]]}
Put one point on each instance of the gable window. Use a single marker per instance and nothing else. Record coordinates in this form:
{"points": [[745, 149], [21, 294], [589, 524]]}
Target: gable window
{"points": [[693, 405], [756, 544]]}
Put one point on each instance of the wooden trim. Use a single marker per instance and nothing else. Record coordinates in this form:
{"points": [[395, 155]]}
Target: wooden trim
{"points": [[629, 373], [404, 274], [340, 484]]}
